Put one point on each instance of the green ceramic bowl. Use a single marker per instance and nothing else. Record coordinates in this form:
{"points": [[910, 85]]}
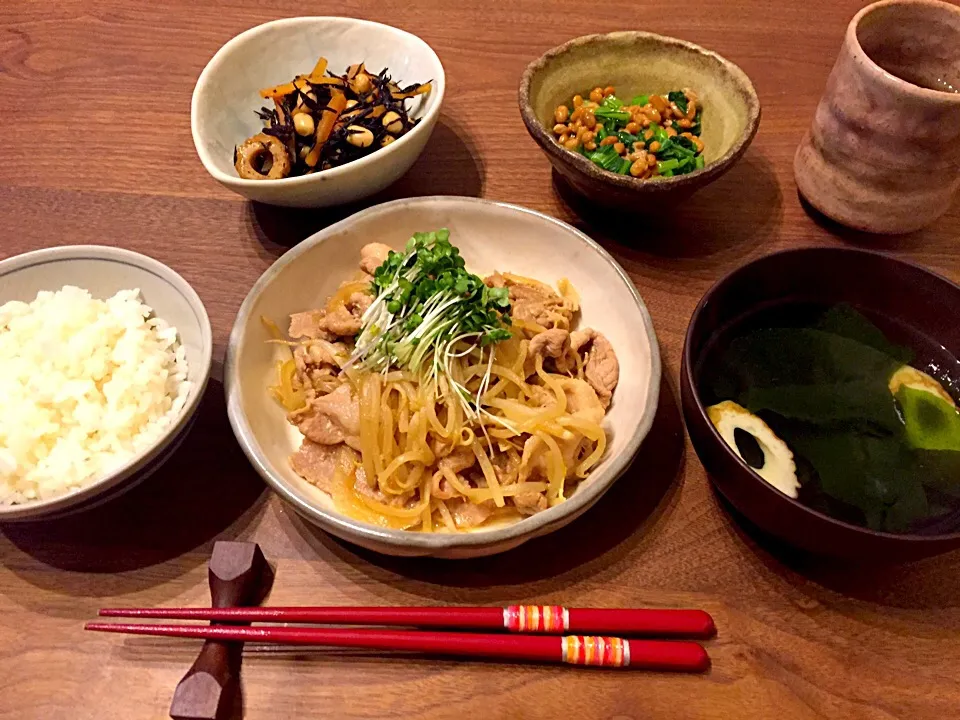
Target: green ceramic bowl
{"points": [[640, 63]]}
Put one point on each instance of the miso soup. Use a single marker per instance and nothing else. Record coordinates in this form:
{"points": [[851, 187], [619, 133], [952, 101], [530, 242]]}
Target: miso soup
{"points": [[853, 415]]}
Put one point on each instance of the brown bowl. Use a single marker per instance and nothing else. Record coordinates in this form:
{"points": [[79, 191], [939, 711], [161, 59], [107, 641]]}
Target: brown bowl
{"points": [[640, 63], [880, 285]]}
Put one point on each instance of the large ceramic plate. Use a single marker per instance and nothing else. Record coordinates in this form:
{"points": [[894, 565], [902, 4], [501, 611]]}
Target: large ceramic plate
{"points": [[491, 236]]}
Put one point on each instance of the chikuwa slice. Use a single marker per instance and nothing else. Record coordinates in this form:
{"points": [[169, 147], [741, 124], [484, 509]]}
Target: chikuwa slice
{"points": [[778, 467]]}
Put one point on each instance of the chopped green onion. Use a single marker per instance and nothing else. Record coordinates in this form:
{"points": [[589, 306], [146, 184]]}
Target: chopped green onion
{"points": [[679, 98], [676, 155], [428, 308], [611, 161], [606, 157], [611, 102], [606, 114], [659, 134]]}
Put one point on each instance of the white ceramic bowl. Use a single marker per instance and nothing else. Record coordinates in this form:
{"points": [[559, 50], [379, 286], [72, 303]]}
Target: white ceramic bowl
{"points": [[490, 236], [104, 271], [222, 112]]}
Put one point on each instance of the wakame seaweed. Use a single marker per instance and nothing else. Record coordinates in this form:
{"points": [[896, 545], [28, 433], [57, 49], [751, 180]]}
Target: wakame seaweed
{"points": [[886, 460]]}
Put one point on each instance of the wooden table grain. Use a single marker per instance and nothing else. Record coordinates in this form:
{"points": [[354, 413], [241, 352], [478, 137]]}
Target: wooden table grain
{"points": [[96, 148]]}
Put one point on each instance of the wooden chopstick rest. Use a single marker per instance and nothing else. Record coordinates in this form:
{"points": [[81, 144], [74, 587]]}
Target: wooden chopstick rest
{"points": [[239, 575]]}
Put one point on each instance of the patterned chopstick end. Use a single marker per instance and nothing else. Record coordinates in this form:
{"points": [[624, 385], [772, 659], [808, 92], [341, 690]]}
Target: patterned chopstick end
{"points": [[536, 618], [599, 651]]}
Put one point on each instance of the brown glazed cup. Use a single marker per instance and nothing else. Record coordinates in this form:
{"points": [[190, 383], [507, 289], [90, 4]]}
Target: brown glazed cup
{"points": [[883, 152]]}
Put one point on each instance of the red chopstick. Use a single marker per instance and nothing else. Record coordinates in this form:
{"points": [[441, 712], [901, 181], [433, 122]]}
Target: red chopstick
{"points": [[678, 656], [551, 619]]}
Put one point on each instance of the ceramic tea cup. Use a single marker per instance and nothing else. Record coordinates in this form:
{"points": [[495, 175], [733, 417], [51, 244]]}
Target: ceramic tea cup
{"points": [[883, 152]]}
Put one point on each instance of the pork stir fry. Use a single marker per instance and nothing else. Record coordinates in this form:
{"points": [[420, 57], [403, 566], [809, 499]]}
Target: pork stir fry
{"points": [[550, 358]]}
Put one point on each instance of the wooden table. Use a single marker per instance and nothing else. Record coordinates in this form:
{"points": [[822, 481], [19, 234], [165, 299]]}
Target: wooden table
{"points": [[97, 149]]}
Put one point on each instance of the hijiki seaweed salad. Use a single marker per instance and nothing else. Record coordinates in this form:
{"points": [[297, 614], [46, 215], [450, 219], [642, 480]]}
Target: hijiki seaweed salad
{"points": [[323, 120], [827, 409]]}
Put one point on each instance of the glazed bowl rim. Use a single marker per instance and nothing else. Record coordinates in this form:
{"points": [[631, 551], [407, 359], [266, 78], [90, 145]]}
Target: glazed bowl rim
{"points": [[951, 98]]}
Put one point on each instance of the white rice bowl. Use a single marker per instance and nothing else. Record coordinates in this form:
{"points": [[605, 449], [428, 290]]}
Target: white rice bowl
{"points": [[85, 385]]}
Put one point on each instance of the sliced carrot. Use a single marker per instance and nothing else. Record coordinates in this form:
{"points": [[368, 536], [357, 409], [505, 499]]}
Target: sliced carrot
{"points": [[319, 69], [326, 81], [337, 103], [277, 91], [425, 88], [302, 83]]}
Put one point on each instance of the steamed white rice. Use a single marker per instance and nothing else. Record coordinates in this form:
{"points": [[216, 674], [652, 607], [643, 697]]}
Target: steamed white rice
{"points": [[85, 385]]}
